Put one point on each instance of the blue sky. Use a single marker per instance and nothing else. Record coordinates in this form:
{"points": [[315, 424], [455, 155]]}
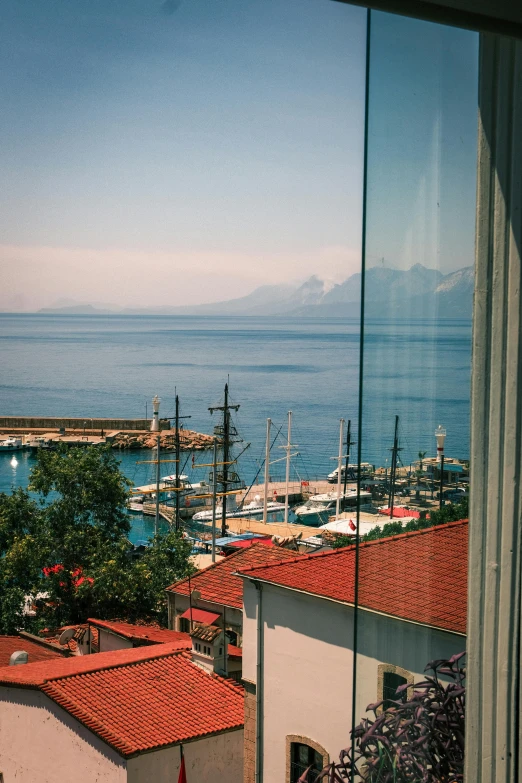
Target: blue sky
{"points": [[214, 148], [169, 158]]}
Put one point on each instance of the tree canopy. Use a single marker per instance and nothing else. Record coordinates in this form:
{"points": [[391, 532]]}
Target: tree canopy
{"points": [[66, 546]]}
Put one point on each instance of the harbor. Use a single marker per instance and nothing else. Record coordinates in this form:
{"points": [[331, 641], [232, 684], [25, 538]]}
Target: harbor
{"points": [[206, 495]]}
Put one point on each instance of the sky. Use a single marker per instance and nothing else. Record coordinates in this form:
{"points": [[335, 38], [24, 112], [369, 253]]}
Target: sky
{"points": [[187, 151], [171, 158]]}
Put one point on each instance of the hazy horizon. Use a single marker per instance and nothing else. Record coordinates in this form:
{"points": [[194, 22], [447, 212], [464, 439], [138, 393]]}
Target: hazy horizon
{"points": [[156, 159]]}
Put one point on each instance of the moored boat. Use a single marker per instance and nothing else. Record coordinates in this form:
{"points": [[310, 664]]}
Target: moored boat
{"points": [[11, 444], [254, 510], [319, 508]]}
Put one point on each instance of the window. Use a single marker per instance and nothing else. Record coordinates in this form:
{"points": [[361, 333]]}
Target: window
{"points": [[301, 757], [184, 625], [232, 637], [391, 682]]}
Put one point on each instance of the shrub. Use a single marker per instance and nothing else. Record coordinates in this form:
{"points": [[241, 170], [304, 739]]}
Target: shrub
{"points": [[420, 740]]}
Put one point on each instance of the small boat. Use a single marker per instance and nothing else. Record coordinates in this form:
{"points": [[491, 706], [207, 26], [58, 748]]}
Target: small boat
{"points": [[353, 470], [11, 444], [319, 508], [38, 442], [254, 509]]}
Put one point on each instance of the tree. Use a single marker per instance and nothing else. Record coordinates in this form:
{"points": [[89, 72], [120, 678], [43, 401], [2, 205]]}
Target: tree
{"points": [[421, 739], [72, 546]]}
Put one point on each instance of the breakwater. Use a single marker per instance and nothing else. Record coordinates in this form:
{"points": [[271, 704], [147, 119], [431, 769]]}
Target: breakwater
{"points": [[29, 423]]}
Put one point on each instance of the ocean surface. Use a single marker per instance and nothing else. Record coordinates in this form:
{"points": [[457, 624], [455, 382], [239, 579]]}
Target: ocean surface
{"points": [[112, 366]]}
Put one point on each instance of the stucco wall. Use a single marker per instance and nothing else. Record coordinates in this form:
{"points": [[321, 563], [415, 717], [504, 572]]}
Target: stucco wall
{"points": [[41, 742], [111, 641], [209, 760], [307, 666]]}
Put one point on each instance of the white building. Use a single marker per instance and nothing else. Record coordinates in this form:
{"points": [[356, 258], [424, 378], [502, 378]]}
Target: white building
{"points": [[119, 717], [298, 640]]}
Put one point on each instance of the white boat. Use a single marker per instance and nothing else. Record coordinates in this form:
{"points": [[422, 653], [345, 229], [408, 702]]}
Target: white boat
{"points": [[253, 509], [366, 470], [38, 442], [319, 508], [190, 494], [11, 444]]}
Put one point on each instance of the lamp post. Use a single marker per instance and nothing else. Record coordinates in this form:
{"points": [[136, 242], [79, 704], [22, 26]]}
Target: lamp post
{"points": [[440, 436]]}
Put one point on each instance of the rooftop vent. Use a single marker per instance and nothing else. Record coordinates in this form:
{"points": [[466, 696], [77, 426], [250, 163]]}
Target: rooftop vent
{"points": [[18, 658]]}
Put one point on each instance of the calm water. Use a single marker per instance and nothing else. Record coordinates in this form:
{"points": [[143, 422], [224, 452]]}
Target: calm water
{"points": [[90, 366]]}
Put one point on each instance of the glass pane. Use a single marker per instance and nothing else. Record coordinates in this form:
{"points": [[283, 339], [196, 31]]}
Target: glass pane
{"points": [[418, 290]]}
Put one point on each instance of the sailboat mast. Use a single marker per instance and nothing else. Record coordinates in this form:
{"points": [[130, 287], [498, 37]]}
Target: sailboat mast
{"points": [[214, 494], [156, 520], [287, 477], [267, 470], [226, 457], [178, 456], [339, 465], [347, 461], [223, 432], [393, 469]]}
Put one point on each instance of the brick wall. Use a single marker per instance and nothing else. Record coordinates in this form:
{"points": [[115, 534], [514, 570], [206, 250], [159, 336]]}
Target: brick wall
{"points": [[249, 774]]}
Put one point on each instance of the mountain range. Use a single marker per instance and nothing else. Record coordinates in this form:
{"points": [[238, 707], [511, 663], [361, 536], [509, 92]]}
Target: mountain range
{"points": [[410, 293]]}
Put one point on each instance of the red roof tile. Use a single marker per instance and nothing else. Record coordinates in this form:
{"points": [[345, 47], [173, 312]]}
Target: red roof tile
{"points": [[37, 652], [142, 634], [137, 700], [219, 583], [419, 576]]}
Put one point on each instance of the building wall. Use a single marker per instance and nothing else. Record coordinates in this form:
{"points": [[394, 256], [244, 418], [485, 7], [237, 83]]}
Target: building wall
{"points": [[208, 760], [308, 667], [249, 763], [111, 641], [41, 742]]}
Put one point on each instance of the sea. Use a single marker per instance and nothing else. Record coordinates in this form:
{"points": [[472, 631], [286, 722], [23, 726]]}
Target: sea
{"points": [[112, 366]]}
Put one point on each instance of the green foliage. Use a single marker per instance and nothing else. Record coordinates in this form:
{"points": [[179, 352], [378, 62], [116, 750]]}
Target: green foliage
{"points": [[451, 512], [73, 547], [342, 541]]}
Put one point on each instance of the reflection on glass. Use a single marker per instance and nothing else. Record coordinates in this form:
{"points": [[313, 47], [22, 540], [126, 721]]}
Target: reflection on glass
{"points": [[412, 557]]}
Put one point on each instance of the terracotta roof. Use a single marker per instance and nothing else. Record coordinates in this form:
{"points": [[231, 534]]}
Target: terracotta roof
{"points": [[419, 576], [207, 633], [142, 634], [139, 699], [36, 652], [219, 582]]}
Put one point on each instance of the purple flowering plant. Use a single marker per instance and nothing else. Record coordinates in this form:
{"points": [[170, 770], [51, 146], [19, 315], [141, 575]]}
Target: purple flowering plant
{"points": [[420, 740]]}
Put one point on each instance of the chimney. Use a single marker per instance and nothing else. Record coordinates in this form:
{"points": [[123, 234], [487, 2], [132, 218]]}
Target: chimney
{"points": [[18, 658], [208, 648]]}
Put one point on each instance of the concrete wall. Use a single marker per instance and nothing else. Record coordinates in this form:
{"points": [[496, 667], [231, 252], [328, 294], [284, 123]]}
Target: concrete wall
{"points": [[48, 423], [41, 742], [308, 665], [111, 641], [208, 760]]}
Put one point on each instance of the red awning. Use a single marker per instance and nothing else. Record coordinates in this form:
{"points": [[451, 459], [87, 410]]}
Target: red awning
{"points": [[246, 543], [200, 616]]}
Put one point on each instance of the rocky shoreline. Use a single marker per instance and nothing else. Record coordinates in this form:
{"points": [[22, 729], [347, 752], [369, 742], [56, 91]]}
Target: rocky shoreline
{"points": [[189, 440]]}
